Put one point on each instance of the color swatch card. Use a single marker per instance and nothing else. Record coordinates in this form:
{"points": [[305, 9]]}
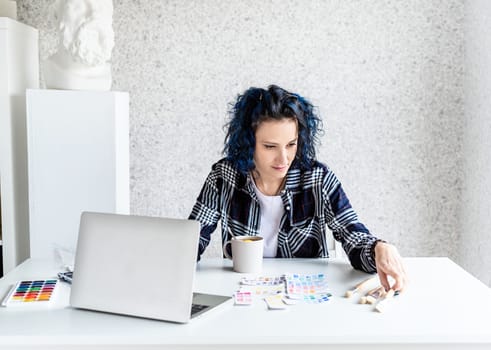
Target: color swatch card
{"points": [[263, 290], [262, 281], [317, 298], [31, 292], [283, 290], [275, 302], [243, 298], [309, 288], [263, 285]]}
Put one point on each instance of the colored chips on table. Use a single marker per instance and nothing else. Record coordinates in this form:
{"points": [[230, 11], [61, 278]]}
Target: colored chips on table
{"points": [[309, 288], [31, 292], [289, 288]]}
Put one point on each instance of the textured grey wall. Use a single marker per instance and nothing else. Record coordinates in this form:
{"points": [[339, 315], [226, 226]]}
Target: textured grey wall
{"points": [[385, 75], [476, 198]]}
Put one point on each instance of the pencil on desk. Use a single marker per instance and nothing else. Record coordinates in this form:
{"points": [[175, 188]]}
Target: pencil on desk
{"points": [[359, 286]]}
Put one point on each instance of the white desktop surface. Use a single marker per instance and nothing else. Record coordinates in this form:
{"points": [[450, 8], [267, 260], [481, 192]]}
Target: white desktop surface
{"points": [[444, 307]]}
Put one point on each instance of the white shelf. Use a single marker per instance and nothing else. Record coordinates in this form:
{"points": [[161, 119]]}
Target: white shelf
{"points": [[78, 156], [19, 69]]}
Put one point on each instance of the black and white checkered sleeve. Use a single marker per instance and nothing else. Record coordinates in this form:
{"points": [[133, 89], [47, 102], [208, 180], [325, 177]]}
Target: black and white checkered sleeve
{"points": [[356, 239]]}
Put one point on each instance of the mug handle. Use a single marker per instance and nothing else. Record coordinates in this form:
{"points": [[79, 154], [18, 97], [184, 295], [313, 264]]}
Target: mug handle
{"points": [[225, 250]]}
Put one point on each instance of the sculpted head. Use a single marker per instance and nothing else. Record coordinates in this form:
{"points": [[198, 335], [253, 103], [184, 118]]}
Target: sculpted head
{"points": [[85, 28]]}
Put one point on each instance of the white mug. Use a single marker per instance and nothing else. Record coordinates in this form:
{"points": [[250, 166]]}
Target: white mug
{"points": [[247, 253]]}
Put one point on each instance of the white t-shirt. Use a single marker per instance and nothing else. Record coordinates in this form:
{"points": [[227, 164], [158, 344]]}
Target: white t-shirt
{"points": [[271, 212]]}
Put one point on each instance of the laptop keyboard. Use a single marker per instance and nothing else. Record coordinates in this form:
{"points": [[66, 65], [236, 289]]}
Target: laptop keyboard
{"points": [[195, 308]]}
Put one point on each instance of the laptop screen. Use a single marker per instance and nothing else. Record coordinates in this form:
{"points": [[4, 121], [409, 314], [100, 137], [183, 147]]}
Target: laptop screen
{"points": [[135, 265]]}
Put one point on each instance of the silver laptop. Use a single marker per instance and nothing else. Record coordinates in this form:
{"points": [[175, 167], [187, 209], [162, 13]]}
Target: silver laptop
{"points": [[138, 266]]}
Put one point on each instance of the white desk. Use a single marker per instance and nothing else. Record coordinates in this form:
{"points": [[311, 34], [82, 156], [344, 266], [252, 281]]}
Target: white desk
{"points": [[443, 308]]}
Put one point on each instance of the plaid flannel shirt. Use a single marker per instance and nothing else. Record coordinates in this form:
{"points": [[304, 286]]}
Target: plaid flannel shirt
{"points": [[313, 200]]}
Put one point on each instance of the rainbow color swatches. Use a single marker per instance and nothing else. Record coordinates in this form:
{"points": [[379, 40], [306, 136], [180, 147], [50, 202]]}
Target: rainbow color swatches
{"points": [[24, 292]]}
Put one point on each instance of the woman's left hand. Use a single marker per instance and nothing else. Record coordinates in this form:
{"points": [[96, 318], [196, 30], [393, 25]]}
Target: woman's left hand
{"points": [[389, 263]]}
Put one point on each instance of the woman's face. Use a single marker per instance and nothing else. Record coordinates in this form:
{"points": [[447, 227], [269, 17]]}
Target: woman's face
{"points": [[276, 147]]}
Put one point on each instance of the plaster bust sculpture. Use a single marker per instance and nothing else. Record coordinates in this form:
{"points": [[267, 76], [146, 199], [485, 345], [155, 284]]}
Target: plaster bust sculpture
{"points": [[86, 43]]}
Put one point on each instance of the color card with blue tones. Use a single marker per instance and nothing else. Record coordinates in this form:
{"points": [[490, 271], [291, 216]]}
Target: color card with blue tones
{"points": [[31, 292], [309, 288]]}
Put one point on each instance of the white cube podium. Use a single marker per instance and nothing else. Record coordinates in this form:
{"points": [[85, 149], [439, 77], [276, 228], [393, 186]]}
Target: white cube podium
{"points": [[19, 69], [78, 160]]}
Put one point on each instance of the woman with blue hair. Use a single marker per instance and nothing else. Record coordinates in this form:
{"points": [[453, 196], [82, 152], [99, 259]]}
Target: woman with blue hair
{"points": [[271, 185]]}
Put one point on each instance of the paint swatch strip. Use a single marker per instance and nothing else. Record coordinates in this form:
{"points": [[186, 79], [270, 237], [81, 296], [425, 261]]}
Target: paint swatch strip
{"points": [[29, 292]]}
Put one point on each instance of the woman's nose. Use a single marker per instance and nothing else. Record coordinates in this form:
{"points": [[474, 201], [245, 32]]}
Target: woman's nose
{"points": [[283, 156]]}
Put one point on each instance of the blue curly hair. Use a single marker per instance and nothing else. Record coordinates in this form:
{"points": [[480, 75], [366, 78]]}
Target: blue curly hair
{"points": [[256, 105]]}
